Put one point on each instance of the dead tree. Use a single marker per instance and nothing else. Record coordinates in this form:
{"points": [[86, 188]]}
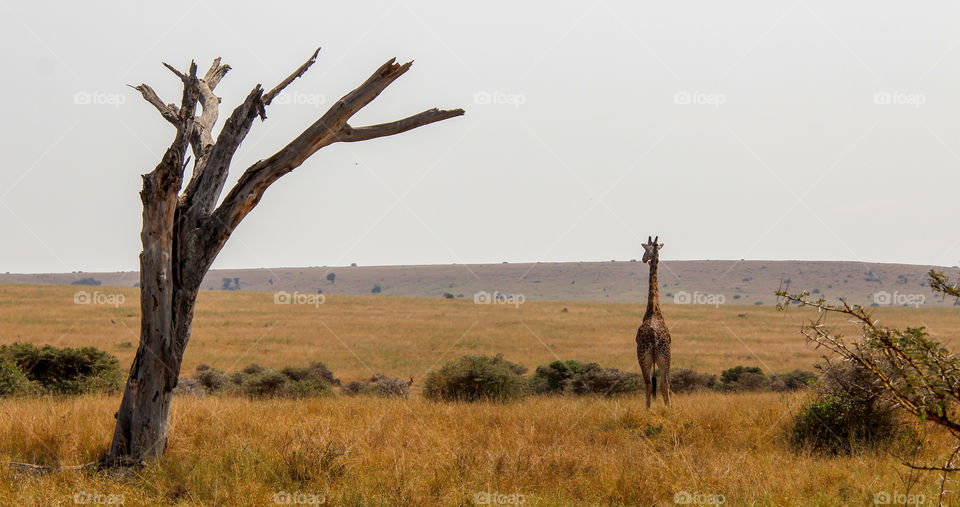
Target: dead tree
{"points": [[184, 229]]}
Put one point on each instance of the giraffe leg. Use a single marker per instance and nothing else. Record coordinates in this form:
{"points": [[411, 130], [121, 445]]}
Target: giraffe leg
{"points": [[663, 364], [646, 367]]}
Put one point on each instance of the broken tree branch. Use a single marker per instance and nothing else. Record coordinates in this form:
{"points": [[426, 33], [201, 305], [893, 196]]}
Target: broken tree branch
{"points": [[254, 181], [181, 75], [215, 73], [349, 134], [168, 111], [268, 98]]}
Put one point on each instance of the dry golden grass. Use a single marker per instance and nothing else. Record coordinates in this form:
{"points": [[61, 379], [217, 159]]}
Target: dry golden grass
{"points": [[353, 451], [368, 451], [358, 335]]}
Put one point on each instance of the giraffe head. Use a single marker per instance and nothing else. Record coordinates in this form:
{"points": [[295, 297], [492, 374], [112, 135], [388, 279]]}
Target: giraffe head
{"points": [[651, 249]]}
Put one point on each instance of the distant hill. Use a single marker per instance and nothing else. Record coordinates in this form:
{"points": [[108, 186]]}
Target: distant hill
{"points": [[705, 282]]}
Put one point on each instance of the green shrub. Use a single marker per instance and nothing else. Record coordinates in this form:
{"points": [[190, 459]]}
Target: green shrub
{"points": [[13, 382], [296, 373], [276, 384], [849, 411], [475, 378], [796, 379], [252, 369], [744, 378], [685, 380], [65, 370], [519, 369], [259, 382], [733, 374], [264, 384], [595, 379], [304, 389], [317, 372], [833, 424], [85, 281], [359, 388], [554, 377], [578, 377]]}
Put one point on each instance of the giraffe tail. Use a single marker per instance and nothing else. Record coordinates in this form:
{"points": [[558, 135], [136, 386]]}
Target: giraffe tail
{"points": [[654, 381]]}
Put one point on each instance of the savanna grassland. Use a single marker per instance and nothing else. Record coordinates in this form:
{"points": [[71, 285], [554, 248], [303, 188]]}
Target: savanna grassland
{"points": [[738, 281], [373, 451]]}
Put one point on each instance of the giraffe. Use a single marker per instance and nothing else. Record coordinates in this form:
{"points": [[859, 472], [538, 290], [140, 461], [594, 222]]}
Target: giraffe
{"points": [[653, 337]]}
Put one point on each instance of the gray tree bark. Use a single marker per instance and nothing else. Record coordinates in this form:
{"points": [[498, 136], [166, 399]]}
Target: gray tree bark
{"points": [[183, 231]]}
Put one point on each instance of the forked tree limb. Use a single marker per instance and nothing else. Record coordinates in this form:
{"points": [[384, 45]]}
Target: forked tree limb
{"points": [[327, 130], [211, 107], [215, 73], [201, 136]]}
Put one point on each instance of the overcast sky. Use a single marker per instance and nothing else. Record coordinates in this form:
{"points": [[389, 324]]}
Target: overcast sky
{"points": [[758, 130]]}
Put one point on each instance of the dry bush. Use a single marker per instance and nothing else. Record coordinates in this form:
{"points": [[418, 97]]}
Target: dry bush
{"points": [[475, 378], [685, 380], [379, 385]]}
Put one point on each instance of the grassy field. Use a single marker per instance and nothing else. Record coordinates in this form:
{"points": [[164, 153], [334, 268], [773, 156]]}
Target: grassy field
{"points": [[359, 335], [366, 451]]}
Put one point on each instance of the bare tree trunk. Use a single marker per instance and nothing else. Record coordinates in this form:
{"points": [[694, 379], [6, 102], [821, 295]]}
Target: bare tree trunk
{"points": [[184, 231]]}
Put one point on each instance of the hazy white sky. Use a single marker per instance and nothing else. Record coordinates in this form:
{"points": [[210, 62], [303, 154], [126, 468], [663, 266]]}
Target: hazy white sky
{"points": [[759, 130]]}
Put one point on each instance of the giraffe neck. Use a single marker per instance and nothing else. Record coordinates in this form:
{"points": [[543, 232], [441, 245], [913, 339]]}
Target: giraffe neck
{"points": [[653, 296]]}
